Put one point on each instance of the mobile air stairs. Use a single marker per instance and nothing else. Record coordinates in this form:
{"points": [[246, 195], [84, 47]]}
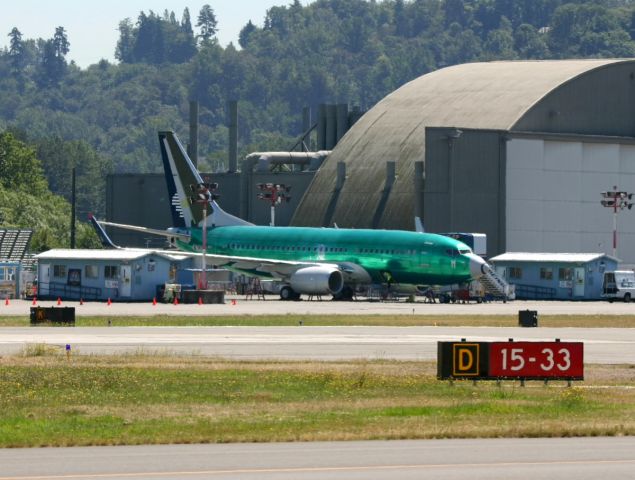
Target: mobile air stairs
{"points": [[496, 285]]}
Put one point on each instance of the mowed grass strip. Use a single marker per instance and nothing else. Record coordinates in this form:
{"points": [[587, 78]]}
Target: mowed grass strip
{"points": [[586, 321], [52, 401]]}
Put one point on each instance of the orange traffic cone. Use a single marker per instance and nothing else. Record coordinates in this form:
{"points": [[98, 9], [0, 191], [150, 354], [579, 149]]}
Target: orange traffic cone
{"points": [[81, 301], [59, 301], [176, 301], [6, 302], [154, 300], [34, 301], [233, 302], [109, 302], [200, 301]]}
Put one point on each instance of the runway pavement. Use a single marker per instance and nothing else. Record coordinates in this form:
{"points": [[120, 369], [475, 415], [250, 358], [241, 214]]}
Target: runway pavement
{"points": [[490, 459], [602, 345], [237, 305]]}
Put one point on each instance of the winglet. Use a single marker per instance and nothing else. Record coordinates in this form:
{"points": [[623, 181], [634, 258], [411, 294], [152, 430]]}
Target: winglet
{"points": [[101, 233]]}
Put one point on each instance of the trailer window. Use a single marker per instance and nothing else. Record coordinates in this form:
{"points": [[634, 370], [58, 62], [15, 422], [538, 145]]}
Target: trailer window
{"points": [[515, 272], [91, 271], [565, 274], [546, 273], [111, 271], [59, 271]]}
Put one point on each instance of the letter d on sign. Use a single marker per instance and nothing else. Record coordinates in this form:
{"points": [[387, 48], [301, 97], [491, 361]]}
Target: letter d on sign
{"points": [[465, 359]]}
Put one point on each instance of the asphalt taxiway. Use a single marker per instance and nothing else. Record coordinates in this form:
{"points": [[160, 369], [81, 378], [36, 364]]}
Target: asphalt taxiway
{"points": [[477, 459], [602, 345]]}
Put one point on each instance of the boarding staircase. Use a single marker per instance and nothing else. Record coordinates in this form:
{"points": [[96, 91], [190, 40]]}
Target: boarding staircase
{"points": [[496, 285]]}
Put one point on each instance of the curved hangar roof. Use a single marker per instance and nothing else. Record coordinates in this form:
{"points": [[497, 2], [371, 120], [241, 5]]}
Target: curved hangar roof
{"points": [[594, 97]]}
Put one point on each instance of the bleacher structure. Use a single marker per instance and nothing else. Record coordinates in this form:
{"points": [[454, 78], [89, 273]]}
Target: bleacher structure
{"points": [[17, 272], [14, 243]]}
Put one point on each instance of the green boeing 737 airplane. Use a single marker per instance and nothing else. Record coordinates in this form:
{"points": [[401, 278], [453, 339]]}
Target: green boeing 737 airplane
{"points": [[307, 260]]}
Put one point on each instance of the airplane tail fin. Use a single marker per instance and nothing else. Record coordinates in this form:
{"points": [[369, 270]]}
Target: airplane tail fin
{"points": [[419, 225], [181, 175], [105, 240]]}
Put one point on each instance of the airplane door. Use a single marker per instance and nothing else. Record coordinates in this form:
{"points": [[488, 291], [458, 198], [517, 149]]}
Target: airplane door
{"points": [[578, 282], [45, 278], [125, 287]]}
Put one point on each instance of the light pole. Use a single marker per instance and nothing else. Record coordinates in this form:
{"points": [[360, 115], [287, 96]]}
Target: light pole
{"points": [[202, 196], [616, 201], [274, 193]]}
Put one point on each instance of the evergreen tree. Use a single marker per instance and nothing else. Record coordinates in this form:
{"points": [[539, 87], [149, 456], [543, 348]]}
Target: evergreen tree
{"points": [[16, 52], [401, 19], [61, 43], [455, 12], [186, 23], [53, 64], [149, 45], [182, 45], [245, 34], [48, 72], [125, 45], [207, 23]]}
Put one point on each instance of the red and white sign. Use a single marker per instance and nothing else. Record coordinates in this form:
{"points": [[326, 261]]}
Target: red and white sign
{"points": [[536, 359]]}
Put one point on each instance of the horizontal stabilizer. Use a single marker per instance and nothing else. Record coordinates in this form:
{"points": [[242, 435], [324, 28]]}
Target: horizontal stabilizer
{"points": [[163, 233]]}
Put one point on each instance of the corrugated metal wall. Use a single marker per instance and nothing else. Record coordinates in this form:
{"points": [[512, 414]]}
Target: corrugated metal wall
{"points": [[464, 188]]}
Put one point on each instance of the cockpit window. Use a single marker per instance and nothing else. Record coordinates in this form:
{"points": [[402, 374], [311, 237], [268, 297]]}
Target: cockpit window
{"points": [[465, 251]]}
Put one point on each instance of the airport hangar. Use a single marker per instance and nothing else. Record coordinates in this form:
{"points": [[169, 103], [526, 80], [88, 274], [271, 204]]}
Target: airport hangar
{"points": [[519, 150]]}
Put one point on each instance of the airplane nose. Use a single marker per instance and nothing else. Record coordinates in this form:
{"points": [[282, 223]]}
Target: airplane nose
{"points": [[476, 266]]}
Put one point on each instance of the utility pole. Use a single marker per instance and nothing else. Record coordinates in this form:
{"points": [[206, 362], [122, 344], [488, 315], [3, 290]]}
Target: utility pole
{"points": [[73, 208], [274, 193], [616, 201]]}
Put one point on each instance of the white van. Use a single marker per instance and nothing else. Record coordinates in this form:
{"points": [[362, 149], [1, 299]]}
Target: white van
{"points": [[619, 284]]}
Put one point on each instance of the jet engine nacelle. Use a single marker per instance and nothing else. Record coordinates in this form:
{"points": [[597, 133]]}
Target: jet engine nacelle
{"points": [[317, 280]]}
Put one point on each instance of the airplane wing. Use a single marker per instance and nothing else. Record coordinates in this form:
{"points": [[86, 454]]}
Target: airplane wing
{"points": [[280, 269]]}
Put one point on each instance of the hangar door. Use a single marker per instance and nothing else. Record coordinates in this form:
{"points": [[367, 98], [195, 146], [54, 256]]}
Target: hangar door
{"points": [[553, 193]]}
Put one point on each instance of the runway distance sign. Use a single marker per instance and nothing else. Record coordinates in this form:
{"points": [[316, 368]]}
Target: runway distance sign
{"points": [[510, 360], [536, 360]]}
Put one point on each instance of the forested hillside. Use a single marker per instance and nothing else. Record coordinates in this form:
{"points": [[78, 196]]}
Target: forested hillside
{"points": [[104, 118]]}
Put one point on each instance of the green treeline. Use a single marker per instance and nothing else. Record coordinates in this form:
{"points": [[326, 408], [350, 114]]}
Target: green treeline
{"points": [[27, 202], [105, 118]]}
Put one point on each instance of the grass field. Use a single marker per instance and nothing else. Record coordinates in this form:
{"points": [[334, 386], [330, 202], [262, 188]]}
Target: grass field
{"points": [[48, 400], [599, 321]]}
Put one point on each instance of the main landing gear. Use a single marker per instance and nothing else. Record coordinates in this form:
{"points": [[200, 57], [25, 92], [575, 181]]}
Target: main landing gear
{"points": [[288, 293], [346, 295]]}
